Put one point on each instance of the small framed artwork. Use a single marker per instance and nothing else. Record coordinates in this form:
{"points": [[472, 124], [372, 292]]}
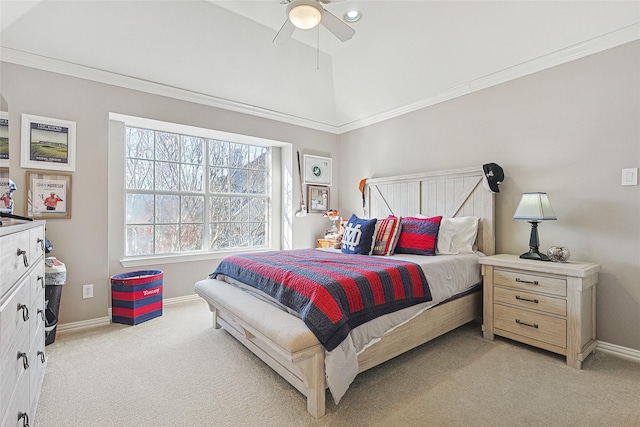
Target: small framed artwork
{"points": [[48, 143], [4, 139], [317, 170], [318, 198], [48, 194]]}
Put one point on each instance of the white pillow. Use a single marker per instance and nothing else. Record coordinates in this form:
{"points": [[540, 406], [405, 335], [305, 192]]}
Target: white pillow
{"points": [[457, 235]]}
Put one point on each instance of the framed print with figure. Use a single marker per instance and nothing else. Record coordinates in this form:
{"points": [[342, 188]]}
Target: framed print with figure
{"points": [[48, 194], [317, 170], [318, 198], [48, 143]]}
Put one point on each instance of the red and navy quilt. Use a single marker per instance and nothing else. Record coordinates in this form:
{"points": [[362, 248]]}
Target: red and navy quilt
{"points": [[332, 292]]}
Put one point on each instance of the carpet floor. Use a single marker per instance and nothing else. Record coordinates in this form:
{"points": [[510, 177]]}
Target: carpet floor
{"points": [[175, 370]]}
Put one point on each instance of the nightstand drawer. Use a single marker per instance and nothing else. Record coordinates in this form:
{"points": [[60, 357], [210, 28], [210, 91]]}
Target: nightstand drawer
{"points": [[541, 327], [530, 282], [530, 300]]}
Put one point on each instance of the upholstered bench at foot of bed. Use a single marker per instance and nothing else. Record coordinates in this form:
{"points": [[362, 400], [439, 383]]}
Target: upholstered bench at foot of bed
{"points": [[281, 340]]}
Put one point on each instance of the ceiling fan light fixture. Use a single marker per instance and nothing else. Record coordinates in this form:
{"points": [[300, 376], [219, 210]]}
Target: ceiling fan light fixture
{"points": [[304, 14], [352, 16]]}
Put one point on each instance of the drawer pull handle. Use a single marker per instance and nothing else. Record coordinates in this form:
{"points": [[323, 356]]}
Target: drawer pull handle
{"points": [[530, 282], [25, 311], [41, 313], [25, 260], [24, 418], [519, 298], [531, 325], [41, 241], [41, 280], [25, 360], [42, 358]]}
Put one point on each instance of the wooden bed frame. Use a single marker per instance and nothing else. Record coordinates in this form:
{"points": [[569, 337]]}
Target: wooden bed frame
{"points": [[286, 345]]}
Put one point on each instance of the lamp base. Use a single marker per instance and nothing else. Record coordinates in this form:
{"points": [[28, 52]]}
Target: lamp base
{"points": [[534, 254]]}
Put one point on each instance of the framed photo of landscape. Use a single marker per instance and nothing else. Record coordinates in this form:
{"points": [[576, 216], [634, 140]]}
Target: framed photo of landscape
{"points": [[48, 194], [48, 143]]}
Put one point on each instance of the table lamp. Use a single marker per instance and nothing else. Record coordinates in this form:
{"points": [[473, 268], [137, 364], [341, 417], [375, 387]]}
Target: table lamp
{"points": [[534, 207]]}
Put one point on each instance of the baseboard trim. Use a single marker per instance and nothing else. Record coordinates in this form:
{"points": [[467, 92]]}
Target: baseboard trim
{"points": [[619, 351], [103, 321]]}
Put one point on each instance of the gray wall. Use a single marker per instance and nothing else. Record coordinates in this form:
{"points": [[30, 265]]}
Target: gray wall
{"points": [[568, 131], [82, 242]]}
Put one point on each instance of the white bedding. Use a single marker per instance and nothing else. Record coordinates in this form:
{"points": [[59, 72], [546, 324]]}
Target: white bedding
{"points": [[447, 275]]}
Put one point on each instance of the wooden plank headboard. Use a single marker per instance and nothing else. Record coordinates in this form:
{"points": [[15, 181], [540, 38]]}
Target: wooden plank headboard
{"points": [[450, 193]]}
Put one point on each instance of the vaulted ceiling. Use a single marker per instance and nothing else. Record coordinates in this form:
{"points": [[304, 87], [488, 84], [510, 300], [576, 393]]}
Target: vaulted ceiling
{"points": [[404, 55]]}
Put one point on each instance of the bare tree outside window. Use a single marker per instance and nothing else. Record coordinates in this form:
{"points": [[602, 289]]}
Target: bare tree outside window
{"points": [[187, 194]]}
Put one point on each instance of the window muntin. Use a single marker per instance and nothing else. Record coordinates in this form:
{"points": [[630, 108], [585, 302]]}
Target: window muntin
{"points": [[187, 194]]}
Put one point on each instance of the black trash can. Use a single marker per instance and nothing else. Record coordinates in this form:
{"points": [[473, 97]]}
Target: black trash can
{"points": [[55, 276]]}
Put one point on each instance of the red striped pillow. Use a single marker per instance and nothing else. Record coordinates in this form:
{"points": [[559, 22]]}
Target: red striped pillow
{"points": [[387, 236], [418, 236]]}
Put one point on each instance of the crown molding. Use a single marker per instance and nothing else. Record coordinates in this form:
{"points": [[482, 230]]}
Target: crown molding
{"points": [[27, 59], [580, 50], [562, 56]]}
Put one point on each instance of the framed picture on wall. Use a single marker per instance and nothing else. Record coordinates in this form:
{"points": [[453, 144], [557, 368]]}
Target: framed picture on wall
{"points": [[318, 198], [48, 143], [4, 139], [48, 194], [317, 170]]}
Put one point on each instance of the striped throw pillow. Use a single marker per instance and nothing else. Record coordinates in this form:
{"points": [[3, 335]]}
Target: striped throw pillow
{"points": [[387, 236]]}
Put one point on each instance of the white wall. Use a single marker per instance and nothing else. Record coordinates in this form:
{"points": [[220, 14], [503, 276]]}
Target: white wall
{"points": [[82, 241], [568, 131]]}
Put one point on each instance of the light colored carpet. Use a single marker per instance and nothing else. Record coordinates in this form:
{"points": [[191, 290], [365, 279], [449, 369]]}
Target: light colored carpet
{"points": [[176, 370]]}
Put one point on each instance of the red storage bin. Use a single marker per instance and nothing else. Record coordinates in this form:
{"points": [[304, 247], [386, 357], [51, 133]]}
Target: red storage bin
{"points": [[136, 296]]}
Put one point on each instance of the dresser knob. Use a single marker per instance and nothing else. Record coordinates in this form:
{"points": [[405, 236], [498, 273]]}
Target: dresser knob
{"points": [[531, 325], [25, 360], [22, 416], [25, 260], [530, 282], [25, 311]]}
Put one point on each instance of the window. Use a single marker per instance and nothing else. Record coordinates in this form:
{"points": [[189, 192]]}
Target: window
{"points": [[189, 193]]}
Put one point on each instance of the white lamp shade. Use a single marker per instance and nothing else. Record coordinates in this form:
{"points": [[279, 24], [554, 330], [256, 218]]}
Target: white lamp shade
{"points": [[534, 207], [304, 14]]}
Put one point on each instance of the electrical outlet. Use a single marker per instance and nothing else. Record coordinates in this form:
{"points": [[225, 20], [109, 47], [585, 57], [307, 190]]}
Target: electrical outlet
{"points": [[87, 291]]}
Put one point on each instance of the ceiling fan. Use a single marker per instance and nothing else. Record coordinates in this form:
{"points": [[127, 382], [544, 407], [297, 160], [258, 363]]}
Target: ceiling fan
{"points": [[306, 14]]}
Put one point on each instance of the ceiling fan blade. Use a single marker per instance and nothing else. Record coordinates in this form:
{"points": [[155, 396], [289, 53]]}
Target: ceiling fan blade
{"points": [[338, 28], [285, 33]]}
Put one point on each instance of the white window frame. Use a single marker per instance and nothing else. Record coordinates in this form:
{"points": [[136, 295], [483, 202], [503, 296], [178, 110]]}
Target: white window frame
{"points": [[281, 204]]}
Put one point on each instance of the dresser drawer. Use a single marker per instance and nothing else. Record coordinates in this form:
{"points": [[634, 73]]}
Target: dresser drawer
{"points": [[530, 300], [530, 282], [13, 265], [14, 316], [12, 368], [538, 326]]}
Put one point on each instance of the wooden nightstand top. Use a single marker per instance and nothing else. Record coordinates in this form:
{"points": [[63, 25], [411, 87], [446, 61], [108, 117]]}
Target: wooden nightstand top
{"points": [[571, 268]]}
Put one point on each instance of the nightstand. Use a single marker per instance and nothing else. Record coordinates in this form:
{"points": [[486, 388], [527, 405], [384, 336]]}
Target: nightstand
{"points": [[545, 304], [325, 243]]}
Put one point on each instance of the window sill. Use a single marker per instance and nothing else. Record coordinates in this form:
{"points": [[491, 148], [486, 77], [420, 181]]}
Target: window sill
{"points": [[179, 258]]}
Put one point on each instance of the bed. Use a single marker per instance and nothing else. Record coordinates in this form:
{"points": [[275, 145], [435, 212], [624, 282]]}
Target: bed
{"points": [[283, 341]]}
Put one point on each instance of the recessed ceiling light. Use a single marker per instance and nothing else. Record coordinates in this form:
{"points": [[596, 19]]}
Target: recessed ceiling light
{"points": [[352, 16]]}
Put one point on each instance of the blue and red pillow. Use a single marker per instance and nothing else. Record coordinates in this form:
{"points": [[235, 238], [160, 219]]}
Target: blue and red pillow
{"points": [[386, 236], [418, 236]]}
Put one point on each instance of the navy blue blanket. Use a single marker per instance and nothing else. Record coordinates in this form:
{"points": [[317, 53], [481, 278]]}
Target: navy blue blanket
{"points": [[332, 292]]}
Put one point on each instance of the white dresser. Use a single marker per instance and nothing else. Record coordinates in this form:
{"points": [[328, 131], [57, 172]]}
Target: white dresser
{"points": [[22, 320]]}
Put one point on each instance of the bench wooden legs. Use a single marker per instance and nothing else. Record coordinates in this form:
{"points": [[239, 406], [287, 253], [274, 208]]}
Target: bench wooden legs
{"points": [[312, 370]]}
